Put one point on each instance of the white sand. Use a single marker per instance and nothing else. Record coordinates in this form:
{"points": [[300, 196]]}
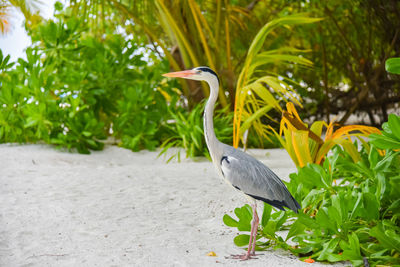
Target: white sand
{"points": [[119, 208]]}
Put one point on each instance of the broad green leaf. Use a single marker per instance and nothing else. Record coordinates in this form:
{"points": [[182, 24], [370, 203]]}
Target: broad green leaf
{"points": [[356, 206], [229, 221], [334, 215], [386, 162], [245, 216], [311, 175], [281, 219], [313, 198], [351, 249], [392, 65], [270, 228], [338, 202], [386, 240], [395, 207], [384, 142], [371, 206], [325, 221], [328, 249], [373, 157], [394, 124], [266, 214], [86, 133], [296, 228], [241, 240]]}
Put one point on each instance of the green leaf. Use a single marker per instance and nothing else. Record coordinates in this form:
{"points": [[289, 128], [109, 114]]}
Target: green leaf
{"points": [[266, 214], [281, 219], [245, 216], [229, 221], [387, 241], [371, 206], [325, 221], [381, 185], [86, 133], [296, 229], [351, 249], [356, 206], [394, 124], [328, 249], [270, 228], [241, 240], [255, 116], [384, 142], [395, 207], [334, 214], [373, 157], [386, 162], [311, 175], [58, 6], [307, 221], [392, 65]]}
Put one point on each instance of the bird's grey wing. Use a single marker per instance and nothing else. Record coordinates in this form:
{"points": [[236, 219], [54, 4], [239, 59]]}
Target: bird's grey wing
{"points": [[256, 180]]}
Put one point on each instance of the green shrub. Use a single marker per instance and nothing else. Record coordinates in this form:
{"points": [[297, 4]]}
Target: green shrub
{"points": [[351, 211], [74, 90], [186, 131]]}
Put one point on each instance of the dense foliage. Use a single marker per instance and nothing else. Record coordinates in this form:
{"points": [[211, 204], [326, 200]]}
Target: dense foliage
{"points": [[186, 131], [350, 209], [75, 90], [93, 74], [348, 47], [349, 54], [349, 50]]}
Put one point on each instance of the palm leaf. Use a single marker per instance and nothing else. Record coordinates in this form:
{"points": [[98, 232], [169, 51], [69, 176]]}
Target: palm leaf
{"points": [[256, 59]]}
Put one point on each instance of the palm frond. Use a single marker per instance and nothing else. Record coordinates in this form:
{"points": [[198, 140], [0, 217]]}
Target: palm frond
{"points": [[255, 60]]}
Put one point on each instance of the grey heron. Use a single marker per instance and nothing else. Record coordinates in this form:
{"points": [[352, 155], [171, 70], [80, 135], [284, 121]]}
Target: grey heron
{"points": [[238, 168]]}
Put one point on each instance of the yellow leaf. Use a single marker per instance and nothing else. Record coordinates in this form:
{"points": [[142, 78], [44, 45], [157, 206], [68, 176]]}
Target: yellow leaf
{"points": [[366, 130], [212, 254], [301, 148]]}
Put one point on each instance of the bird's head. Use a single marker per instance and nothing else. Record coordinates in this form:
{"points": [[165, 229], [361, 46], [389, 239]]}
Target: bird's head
{"points": [[198, 74]]}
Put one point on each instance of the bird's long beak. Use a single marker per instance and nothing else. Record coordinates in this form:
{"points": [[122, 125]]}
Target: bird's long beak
{"points": [[181, 74]]}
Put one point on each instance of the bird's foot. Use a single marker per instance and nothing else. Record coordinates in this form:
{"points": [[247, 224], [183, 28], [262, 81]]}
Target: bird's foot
{"points": [[253, 253], [243, 257]]}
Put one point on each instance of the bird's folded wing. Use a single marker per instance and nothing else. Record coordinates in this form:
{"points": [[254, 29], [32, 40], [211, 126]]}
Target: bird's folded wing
{"points": [[255, 179]]}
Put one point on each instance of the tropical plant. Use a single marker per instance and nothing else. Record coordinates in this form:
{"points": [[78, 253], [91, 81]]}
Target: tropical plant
{"points": [[187, 35], [30, 10], [350, 47], [4, 20], [390, 137], [75, 90], [351, 210], [186, 131], [193, 33], [141, 110], [253, 97], [348, 54], [392, 65], [305, 144]]}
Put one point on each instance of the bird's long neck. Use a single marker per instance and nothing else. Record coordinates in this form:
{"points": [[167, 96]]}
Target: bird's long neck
{"points": [[209, 133]]}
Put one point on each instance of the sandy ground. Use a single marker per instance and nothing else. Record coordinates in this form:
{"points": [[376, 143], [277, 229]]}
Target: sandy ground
{"points": [[119, 208]]}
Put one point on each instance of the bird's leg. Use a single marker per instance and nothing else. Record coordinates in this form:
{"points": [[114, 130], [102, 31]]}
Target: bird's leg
{"points": [[253, 236], [254, 230]]}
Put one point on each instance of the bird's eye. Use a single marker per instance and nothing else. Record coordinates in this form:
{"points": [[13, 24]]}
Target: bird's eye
{"points": [[198, 72]]}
